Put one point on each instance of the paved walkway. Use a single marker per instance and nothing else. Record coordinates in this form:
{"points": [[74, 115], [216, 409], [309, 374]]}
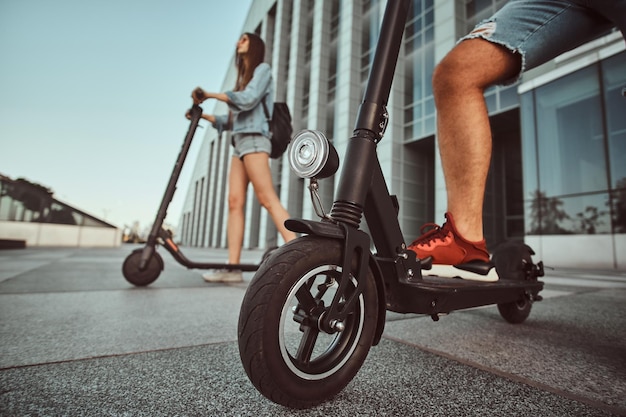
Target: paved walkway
{"points": [[76, 339]]}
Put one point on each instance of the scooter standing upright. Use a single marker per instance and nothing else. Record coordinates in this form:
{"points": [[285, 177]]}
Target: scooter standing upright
{"points": [[143, 266], [317, 304]]}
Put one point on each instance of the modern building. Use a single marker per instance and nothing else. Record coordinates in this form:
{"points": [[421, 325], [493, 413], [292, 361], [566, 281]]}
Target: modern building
{"points": [[558, 172], [31, 216]]}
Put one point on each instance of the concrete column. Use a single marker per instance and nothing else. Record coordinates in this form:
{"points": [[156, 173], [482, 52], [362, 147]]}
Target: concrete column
{"points": [[349, 93]]}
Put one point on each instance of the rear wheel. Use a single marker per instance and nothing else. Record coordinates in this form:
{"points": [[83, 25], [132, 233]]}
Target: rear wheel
{"points": [[515, 312], [285, 352]]}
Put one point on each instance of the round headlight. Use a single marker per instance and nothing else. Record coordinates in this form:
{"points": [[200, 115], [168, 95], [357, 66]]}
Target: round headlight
{"points": [[312, 155]]}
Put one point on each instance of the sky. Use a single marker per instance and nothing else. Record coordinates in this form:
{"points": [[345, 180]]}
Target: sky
{"points": [[93, 96]]}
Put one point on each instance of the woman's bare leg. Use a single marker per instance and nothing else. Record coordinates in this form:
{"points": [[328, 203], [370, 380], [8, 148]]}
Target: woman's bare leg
{"points": [[237, 186], [258, 170]]}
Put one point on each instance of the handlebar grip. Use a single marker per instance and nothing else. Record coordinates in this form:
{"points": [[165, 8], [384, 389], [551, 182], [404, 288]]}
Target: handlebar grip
{"points": [[199, 93]]}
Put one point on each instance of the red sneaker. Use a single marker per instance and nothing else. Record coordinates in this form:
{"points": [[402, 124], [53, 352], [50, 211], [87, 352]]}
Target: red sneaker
{"points": [[446, 246]]}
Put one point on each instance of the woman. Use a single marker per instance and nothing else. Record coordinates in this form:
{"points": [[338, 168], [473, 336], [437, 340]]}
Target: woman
{"points": [[250, 161]]}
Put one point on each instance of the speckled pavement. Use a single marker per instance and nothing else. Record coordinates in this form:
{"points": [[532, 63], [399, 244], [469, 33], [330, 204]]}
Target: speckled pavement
{"points": [[76, 339]]}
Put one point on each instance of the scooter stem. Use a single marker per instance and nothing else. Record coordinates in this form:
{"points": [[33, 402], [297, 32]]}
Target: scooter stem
{"points": [[195, 113], [356, 174]]}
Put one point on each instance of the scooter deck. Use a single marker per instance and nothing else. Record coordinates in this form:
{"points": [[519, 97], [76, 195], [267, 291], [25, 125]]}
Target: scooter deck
{"points": [[175, 251], [434, 295]]}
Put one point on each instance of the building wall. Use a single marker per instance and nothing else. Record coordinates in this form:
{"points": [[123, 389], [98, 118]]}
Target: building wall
{"points": [[58, 235], [320, 52], [574, 135], [30, 214]]}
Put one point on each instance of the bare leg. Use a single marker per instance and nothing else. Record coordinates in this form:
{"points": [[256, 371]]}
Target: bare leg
{"points": [[463, 129], [258, 170], [237, 186]]}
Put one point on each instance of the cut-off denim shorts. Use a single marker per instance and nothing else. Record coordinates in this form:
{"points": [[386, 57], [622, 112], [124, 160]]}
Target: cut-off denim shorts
{"points": [[246, 143], [540, 30]]}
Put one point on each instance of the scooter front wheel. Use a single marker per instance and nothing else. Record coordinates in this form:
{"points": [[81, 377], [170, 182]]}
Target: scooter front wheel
{"points": [[287, 355], [140, 277]]}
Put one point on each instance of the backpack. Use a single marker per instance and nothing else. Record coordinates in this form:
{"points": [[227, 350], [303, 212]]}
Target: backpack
{"points": [[280, 128]]}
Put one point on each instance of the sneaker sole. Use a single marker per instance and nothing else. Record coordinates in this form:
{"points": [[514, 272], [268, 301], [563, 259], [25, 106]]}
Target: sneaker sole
{"points": [[223, 281], [450, 271], [223, 277]]}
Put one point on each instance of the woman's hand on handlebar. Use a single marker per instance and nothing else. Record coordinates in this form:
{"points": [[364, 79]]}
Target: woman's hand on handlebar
{"points": [[199, 95], [208, 117]]}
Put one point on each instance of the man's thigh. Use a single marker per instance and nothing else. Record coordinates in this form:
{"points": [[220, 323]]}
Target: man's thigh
{"points": [[540, 30]]}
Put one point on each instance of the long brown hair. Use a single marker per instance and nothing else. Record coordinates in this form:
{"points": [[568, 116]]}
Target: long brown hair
{"points": [[247, 63]]}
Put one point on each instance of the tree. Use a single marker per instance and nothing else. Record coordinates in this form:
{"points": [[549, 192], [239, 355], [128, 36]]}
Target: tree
{"points": [[546, 214]]}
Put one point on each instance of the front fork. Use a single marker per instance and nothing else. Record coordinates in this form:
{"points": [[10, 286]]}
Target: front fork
{"points": [[355, 252], [364, 193], [354, 265], [165, 238]]}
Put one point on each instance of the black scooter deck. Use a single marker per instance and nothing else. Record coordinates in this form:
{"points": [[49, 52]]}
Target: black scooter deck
{"points": [[435, 295], [174, 250]]}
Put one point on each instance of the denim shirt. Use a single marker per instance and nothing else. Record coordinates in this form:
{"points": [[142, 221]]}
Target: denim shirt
{"points": [[246, 107]]}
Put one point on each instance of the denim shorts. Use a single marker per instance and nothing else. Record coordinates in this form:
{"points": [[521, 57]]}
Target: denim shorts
{"points": [[246, 143], [540, 30]]}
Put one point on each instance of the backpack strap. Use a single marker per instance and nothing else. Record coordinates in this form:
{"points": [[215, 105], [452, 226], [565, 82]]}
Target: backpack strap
{"points": [[267, 113]]}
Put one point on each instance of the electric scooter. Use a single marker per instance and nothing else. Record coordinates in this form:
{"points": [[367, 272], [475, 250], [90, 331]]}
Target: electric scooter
{"points": [[317, 304], [143, 266]]}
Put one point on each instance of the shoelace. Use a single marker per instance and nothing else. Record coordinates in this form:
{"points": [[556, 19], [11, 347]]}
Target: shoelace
{"points": [[435, 232]]}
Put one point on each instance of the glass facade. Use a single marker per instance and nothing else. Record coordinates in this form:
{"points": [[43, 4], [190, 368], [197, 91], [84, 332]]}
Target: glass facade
{"points": [[419, 52], [558, 148], [478, 10], [23, 201], [574, 131]]}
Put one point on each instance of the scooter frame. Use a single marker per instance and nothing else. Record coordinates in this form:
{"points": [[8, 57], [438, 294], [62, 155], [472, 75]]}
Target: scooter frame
{"points": [[144, 265], [330, 287], [362, 191]]}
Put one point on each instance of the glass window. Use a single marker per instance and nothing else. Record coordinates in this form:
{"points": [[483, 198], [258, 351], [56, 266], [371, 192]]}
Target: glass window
{"points": [[587, 214], [614, 79], [419, 65], [62, 214], [619, 208], [478, 10], [23, 201], [5, 205], [508, 97], [570, 135], [529, 148]]}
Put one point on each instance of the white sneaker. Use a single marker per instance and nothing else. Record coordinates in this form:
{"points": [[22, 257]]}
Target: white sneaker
{"points": [[223, 275], [449, 271]]}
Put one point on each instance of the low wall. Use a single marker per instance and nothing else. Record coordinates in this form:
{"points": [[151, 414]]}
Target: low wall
{"points": [[46, 234], [580, 251]]}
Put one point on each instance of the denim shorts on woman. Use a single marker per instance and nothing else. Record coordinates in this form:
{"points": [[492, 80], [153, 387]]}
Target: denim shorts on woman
{"points": [[246, 143], [540, 30]]}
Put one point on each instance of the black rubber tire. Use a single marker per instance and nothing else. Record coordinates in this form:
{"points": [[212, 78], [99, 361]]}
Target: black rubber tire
{"points": [[134, 275], [515, 312], [268, 252], [270, 340]]}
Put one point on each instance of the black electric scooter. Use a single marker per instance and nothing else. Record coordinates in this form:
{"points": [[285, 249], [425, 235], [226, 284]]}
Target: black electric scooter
{"points": [[317, 304], [143, 266]]}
